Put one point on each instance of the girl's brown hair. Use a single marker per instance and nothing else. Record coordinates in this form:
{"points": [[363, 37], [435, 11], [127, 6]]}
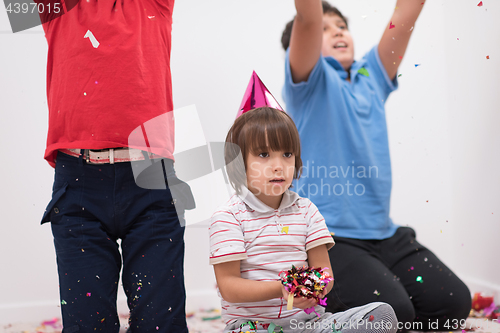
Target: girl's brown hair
{"points": [[259, 130]]}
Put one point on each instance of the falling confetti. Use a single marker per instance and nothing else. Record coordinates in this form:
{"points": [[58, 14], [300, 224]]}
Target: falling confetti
{"points": [[363, 71], [391, 25], [487, 57], [419, 279], [480, 4], [92, 39], [416, 65], [371, 318], [400, 75]]}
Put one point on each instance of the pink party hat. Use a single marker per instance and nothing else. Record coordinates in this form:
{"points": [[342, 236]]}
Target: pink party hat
{"points": [[257, 95]]}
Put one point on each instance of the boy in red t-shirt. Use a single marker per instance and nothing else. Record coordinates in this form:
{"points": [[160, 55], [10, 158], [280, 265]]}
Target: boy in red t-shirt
{"points": [[108, 73]]}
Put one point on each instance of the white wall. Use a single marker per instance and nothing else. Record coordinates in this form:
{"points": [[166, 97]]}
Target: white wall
{"points": [[442, 130]]}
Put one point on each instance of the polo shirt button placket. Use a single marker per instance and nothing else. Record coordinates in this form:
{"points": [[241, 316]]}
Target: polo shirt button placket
{"points": [[278, 224]]}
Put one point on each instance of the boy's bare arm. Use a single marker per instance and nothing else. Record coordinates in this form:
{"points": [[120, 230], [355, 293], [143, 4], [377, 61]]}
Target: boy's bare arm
{"points": [[306, 39], [235, 289], [318, 257], [395, 39]]}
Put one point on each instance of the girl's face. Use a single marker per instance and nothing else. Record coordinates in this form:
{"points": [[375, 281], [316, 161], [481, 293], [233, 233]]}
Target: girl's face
{"points": [[337, 40], [269, 175]]}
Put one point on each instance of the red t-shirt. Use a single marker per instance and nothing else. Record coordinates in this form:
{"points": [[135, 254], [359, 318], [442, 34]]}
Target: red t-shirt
{"points": [[108, 76]]}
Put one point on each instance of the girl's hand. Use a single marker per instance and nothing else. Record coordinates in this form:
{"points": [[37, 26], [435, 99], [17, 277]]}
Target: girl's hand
{"points": [[323, 293], [299, 302]]}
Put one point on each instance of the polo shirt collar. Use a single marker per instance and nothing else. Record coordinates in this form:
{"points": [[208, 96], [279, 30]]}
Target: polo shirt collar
{"points": [[289, 198], [356, 65]]}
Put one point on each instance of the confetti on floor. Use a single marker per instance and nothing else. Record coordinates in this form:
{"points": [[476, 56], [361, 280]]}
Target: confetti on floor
{"points": [[209, 321], [202, 321]]}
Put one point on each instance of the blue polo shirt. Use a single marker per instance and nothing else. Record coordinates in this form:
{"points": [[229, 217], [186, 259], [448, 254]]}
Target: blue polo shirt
{"points": [[345, 150]]}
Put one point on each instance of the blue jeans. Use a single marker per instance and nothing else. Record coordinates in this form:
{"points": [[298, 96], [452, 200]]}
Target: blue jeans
{"points": [[92, 207]]}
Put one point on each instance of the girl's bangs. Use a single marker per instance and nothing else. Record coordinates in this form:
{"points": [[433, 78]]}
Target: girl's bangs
{"points": [[274, 135]]}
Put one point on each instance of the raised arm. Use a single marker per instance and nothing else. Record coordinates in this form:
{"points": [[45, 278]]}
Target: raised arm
{"points": [[392, 46], [306, 39], [236, 289]]}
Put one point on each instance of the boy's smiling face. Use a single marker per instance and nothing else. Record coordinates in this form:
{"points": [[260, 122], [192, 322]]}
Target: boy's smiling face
{"points": [[269, 175], [337, 40]]}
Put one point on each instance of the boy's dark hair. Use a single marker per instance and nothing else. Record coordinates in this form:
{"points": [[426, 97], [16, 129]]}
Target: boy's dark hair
{"points": [[259, 130], [327, 9]]}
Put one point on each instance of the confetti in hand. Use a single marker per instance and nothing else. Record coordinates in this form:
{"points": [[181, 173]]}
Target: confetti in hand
{"points": [[308, 282]]}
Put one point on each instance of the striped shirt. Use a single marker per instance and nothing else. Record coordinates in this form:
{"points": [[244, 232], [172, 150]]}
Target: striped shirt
{"points": [[266, 241]]}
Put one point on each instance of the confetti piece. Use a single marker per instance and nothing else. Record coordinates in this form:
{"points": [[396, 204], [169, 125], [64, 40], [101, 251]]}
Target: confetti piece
{"points": [[52, 322], [419, 279], [416, 65], [480, 4], [400, 57], [92, 39], [152, 17], [272, 326], [364, 16], [363, 71], [284, 230], [63, 302], [412, 268], [289, 305], [487, 57], [391, 25], [371, 318], [400, 75], [89, 294]]}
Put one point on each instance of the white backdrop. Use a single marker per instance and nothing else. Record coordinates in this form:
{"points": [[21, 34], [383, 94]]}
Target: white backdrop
{"points": [[443, 132]]}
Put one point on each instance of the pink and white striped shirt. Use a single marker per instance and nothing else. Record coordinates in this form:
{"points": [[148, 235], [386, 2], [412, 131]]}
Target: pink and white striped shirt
{"points": [[266, 241]]}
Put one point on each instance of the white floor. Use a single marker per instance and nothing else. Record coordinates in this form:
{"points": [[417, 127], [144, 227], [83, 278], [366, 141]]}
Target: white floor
{"points": [[209, 322]]}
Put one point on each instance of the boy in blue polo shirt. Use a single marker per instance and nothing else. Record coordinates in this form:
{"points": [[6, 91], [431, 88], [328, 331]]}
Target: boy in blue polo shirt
{"points": [[338, 106]]}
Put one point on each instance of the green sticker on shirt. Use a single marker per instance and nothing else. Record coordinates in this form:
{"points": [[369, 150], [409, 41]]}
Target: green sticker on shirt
{"points": [[363, 71]]}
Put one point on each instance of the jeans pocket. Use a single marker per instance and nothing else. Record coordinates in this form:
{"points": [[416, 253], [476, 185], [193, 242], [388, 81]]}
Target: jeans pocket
{"points": [[56, 196], [181, 194]]}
